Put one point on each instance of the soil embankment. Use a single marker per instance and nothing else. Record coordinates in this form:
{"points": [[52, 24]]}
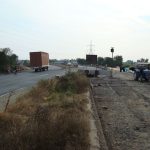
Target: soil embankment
{"points": [[123, 107]]}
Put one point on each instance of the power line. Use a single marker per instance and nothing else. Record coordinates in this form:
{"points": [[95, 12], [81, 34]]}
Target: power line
{"points": [[91, 48]]}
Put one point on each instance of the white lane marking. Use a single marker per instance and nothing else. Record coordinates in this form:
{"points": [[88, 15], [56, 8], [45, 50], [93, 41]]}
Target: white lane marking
{"points": [[43, 75]]}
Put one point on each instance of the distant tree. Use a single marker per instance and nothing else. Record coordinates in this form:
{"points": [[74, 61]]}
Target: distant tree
{"points": [[52, 61], [128, 63], [100, 61], [81, 61], [7, 51], [4, 61], [131, 62], [13, 59], [7, 59], [108, 61], [26, 63], [143, 60], [118, 61]]}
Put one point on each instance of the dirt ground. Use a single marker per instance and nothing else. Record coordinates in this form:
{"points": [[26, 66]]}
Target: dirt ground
{"points": [[123, 108]]}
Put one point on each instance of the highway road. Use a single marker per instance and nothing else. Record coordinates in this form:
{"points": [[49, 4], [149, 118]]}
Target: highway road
{"points": [[27, 79], [16, 85], [24, 80]]}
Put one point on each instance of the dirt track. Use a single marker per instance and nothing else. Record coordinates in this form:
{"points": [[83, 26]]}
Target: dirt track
{"points": [[123, 106]]}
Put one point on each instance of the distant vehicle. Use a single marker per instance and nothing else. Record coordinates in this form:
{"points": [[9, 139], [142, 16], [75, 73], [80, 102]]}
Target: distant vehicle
{"points": [[74, 63], [69, 64], [91, 59], [141, 71], [39, 61], [89, 71]]}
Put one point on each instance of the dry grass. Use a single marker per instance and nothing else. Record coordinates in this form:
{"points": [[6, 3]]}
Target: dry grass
{"points": [[52, 116], [73, 83]]}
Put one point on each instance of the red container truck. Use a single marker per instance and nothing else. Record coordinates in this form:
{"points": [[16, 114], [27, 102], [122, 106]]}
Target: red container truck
{"points": [[39, 61]]}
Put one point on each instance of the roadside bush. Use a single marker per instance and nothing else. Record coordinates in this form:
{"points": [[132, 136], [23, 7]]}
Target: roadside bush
{"points": [[52, 116], [23, 107], [72, 82], [10, 126], [56, 129]]}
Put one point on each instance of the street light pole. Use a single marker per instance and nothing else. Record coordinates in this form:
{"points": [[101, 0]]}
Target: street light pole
{"points": [[112, 51]]}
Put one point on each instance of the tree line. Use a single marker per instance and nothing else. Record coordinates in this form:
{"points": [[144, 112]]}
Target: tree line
{"points": [[8, 60], [105, 61]]}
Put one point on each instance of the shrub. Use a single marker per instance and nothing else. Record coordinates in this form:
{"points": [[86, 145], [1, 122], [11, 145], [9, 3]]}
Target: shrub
{"points": [[72, 82], [56, 129], [10, 126], [52, 116]]}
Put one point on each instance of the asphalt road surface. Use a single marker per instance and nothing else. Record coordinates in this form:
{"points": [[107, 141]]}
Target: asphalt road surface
{"points": [[16, 85], [12, 82], [24, 80]]}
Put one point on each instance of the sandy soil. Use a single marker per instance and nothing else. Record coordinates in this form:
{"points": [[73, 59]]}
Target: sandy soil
{"points": [[123, 107]]}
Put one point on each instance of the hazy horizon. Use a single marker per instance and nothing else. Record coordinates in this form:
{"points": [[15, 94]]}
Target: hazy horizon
{"points": [[64, 28]]}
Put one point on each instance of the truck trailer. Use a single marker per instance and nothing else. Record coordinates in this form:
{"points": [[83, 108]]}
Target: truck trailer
{"points": [[39, 61]]}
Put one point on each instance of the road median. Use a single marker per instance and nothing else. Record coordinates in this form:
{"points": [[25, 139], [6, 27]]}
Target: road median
{"points": [[53, 115]]}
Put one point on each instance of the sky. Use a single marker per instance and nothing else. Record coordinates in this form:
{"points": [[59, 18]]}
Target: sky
{"points": [[65, 28]]}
